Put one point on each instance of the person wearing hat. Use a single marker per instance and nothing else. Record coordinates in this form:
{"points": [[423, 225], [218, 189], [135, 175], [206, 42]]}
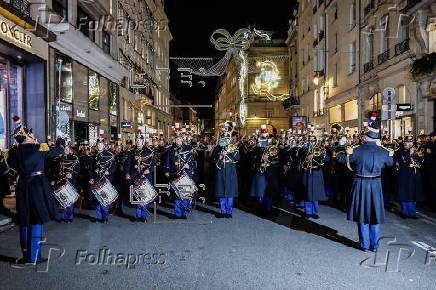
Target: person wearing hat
{"points": [[180, 159], [35, 201], [102, 165], [223, 159], [140, 164], [265, 181], [409, 186], [366, 206], [66, 168], [313, 158]]}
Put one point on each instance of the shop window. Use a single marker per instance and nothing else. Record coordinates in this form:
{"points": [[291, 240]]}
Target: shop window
{"points": [[375, 102], [113, 98], [64, 79], [351, 110], [86, 24], [432, 39], [106, 42], [94, 90], [335, 114]]}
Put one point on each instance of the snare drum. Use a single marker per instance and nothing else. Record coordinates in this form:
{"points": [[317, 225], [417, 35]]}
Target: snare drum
{"points": [[184, 186], [66, 195], [104, 192], [143, 192]]}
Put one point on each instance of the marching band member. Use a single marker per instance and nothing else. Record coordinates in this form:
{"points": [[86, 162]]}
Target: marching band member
{"points": [[408, 161], [265, 182], [66, 168], [102, 165], [314, 158], [366, 204], [179, 158], [140, 164], [35, 202], [224, 158]]}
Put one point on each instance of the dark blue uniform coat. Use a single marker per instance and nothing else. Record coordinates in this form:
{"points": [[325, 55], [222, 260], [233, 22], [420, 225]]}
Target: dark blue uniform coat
{"points": [[366, 204], [226, 176], [35, 201], [266, 181], [313, 179], [409, 180]]}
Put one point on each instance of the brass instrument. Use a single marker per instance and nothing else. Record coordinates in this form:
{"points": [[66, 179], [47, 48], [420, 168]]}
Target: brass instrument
{"points": [[269, 157], [312, 163]]}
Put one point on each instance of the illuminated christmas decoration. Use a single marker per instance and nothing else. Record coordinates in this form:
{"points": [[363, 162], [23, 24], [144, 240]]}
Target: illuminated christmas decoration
{"points": [[267, 80], [243, 111]]}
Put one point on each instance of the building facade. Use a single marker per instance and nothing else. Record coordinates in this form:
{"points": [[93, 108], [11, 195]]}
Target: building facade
{"points": [[85, 68], [255, 98], [350, 52]]}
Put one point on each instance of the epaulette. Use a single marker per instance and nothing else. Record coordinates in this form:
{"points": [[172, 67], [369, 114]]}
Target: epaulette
{"points": [[43, 147], [387, 148], [6, 154], [354, 146]]}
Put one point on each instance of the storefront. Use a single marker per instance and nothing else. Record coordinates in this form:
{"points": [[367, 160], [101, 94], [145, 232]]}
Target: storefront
{"points": [[23, 90], [93, 99], [345, 116]]}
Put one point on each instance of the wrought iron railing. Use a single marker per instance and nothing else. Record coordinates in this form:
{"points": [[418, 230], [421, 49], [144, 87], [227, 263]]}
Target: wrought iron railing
{"points": [[402, 47], [22, 6], [368, 66], [383, 57], [369, 7]]}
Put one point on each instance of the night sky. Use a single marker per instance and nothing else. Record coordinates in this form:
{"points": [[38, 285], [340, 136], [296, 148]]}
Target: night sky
{"points": [[193, 21]]}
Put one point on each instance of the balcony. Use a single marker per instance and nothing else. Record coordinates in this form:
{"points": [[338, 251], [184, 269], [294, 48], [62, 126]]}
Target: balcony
{"points": [[368, 66], [410, 4], [20, 6], [383, 57], [402, 47], [424, 66], [369, 8]]}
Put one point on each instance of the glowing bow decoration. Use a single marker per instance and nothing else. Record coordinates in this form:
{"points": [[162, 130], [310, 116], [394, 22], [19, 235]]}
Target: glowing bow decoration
{"points": [[240, 40]]}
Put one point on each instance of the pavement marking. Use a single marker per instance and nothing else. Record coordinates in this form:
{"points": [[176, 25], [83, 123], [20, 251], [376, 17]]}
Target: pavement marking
{"points": [[281, 209], [182, 222], [427, 218], [424, 246]]}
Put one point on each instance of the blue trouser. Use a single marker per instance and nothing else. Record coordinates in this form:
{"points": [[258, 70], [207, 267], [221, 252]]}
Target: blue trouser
{"points": [[181, 207], [266, 203], [102, 212], [369, 236], [226, 205], [311, 207], [68, 213], [408, 208], [141, 211], [30, 240]]}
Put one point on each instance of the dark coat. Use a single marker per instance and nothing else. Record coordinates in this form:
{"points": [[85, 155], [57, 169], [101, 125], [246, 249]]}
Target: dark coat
{"points": [[265, 179], [366, 203], [135, 166], [63, 165], [409, 180], [100, 163], [313, 179], [35, 201], [176, 157], [225, 173]]}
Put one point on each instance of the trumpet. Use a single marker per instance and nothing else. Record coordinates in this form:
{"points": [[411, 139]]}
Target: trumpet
{"points": [[314, 162], [269, 157]]}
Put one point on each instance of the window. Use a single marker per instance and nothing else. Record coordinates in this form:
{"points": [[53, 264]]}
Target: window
{"points": [[351, 110], [315, 101], [113, 98], [403, 98], [352, 67], [432, 40], [370, 45], [106, 42], [404, 27], [61, 8], [384, 35], [64, 79], [335, 114], [335, 75], [93, 90], [315, 60], [335, 43], [86, 24], [353, 14], [375, 102]]}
